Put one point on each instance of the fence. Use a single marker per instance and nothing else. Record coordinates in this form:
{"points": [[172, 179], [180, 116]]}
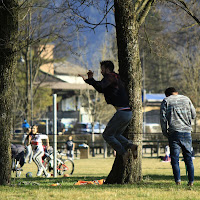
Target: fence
{"points": [[153, 144]]}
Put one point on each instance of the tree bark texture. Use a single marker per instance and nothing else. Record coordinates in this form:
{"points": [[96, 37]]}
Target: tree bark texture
{"points": [[130, 71], [8, 34]]}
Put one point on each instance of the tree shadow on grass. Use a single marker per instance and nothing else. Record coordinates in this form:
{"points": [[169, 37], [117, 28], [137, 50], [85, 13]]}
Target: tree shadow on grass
{"points": [[149, 181], [66, 182], [157, 177]]}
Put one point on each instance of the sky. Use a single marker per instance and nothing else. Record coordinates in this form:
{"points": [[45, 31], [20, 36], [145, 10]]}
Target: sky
{"points": [[93, 40], [87, 43]]}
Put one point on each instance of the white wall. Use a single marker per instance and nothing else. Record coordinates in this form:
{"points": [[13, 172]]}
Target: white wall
{"points": [[68, 104], [71, 79]]}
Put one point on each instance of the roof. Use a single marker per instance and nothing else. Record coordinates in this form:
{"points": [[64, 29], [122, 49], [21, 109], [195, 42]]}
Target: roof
{"points": [[67, 68], [65, 86], [155, 97], [55, 82]]}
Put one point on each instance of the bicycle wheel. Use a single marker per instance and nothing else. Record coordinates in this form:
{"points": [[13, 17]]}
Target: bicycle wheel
{"points": [[67, 167], [46, 164]]}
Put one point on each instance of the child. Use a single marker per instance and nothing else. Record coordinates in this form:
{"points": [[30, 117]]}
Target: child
{"points": [[35, 139], [70, 148], [29, 152], [167, 154]]}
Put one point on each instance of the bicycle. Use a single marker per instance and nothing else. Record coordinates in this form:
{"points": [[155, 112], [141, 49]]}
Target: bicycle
{"points": [[64, 166]]}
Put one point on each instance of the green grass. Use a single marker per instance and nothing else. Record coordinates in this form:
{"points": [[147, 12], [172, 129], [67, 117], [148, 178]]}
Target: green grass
{"points": [[158, 183]]}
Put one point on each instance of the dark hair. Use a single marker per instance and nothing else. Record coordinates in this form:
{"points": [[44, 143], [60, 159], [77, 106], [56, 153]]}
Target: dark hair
{"points": [[107, 64], [34, 125], [169, 91], [27, 129]]}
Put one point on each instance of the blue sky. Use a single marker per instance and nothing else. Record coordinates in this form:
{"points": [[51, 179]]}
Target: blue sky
{"points": [[87, 43], [93, 40]]}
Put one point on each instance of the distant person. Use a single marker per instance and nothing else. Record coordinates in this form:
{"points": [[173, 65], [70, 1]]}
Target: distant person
{"points": [[35, 139], [70, 148], [28, 148], [193, 154], [17, 152], [115, 94], [176, 114], [167, 154], [25, 125]]}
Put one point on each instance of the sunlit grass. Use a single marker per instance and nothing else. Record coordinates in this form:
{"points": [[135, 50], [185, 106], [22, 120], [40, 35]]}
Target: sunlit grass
{"points": [[157, 183]]}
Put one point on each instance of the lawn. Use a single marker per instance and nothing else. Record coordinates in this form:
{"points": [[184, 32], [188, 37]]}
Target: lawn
{"points": [[157, 183]]}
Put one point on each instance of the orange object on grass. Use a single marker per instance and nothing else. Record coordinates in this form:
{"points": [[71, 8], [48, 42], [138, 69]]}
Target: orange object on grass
{"points": [[96, 182], [55, 184], [66, 175]]}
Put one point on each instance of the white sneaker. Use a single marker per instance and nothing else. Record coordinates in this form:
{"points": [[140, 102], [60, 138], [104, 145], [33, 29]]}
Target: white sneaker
{"points": [[48, 175], [39, 173]]}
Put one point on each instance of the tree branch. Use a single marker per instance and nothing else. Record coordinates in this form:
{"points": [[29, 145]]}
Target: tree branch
{"points": [[138, 2], [141, 7], [183, 6], [147, 38], [145, 11], [90, 23]]}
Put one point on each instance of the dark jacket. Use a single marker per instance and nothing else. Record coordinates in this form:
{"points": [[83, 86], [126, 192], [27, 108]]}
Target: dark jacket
{"points": [[113, 89]]}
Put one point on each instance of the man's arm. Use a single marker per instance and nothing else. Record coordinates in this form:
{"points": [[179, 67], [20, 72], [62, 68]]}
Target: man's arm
{"points": [[98, 85], [163, 119]]}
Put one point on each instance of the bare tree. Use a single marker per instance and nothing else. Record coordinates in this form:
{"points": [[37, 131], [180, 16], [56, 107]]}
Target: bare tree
{"points": [[38, 26], [188, 67]]}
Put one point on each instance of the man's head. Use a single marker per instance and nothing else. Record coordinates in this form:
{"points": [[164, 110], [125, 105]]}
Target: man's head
{"points": [[107, 66], [170, 91]]}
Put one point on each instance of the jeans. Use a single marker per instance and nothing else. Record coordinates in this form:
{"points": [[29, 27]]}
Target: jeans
{"points": [[114, 130], [177, 141]]}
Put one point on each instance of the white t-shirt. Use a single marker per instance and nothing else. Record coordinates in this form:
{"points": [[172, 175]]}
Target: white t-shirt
{"points": [[167, 151], [36, 142]]}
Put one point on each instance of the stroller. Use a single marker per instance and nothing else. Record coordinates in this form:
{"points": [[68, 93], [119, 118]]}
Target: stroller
{"points": [[17, 151]]}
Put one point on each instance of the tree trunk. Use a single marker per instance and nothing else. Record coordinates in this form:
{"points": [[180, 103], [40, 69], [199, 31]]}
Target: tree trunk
{"points": [[8, 33], [130, 71]]}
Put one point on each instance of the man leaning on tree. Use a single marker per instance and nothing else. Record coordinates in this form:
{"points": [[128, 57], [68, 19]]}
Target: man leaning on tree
{"points": [[115, 94]]}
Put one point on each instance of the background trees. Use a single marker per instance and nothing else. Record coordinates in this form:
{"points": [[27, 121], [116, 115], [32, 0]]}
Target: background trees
{"points": [[43, 34]]}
